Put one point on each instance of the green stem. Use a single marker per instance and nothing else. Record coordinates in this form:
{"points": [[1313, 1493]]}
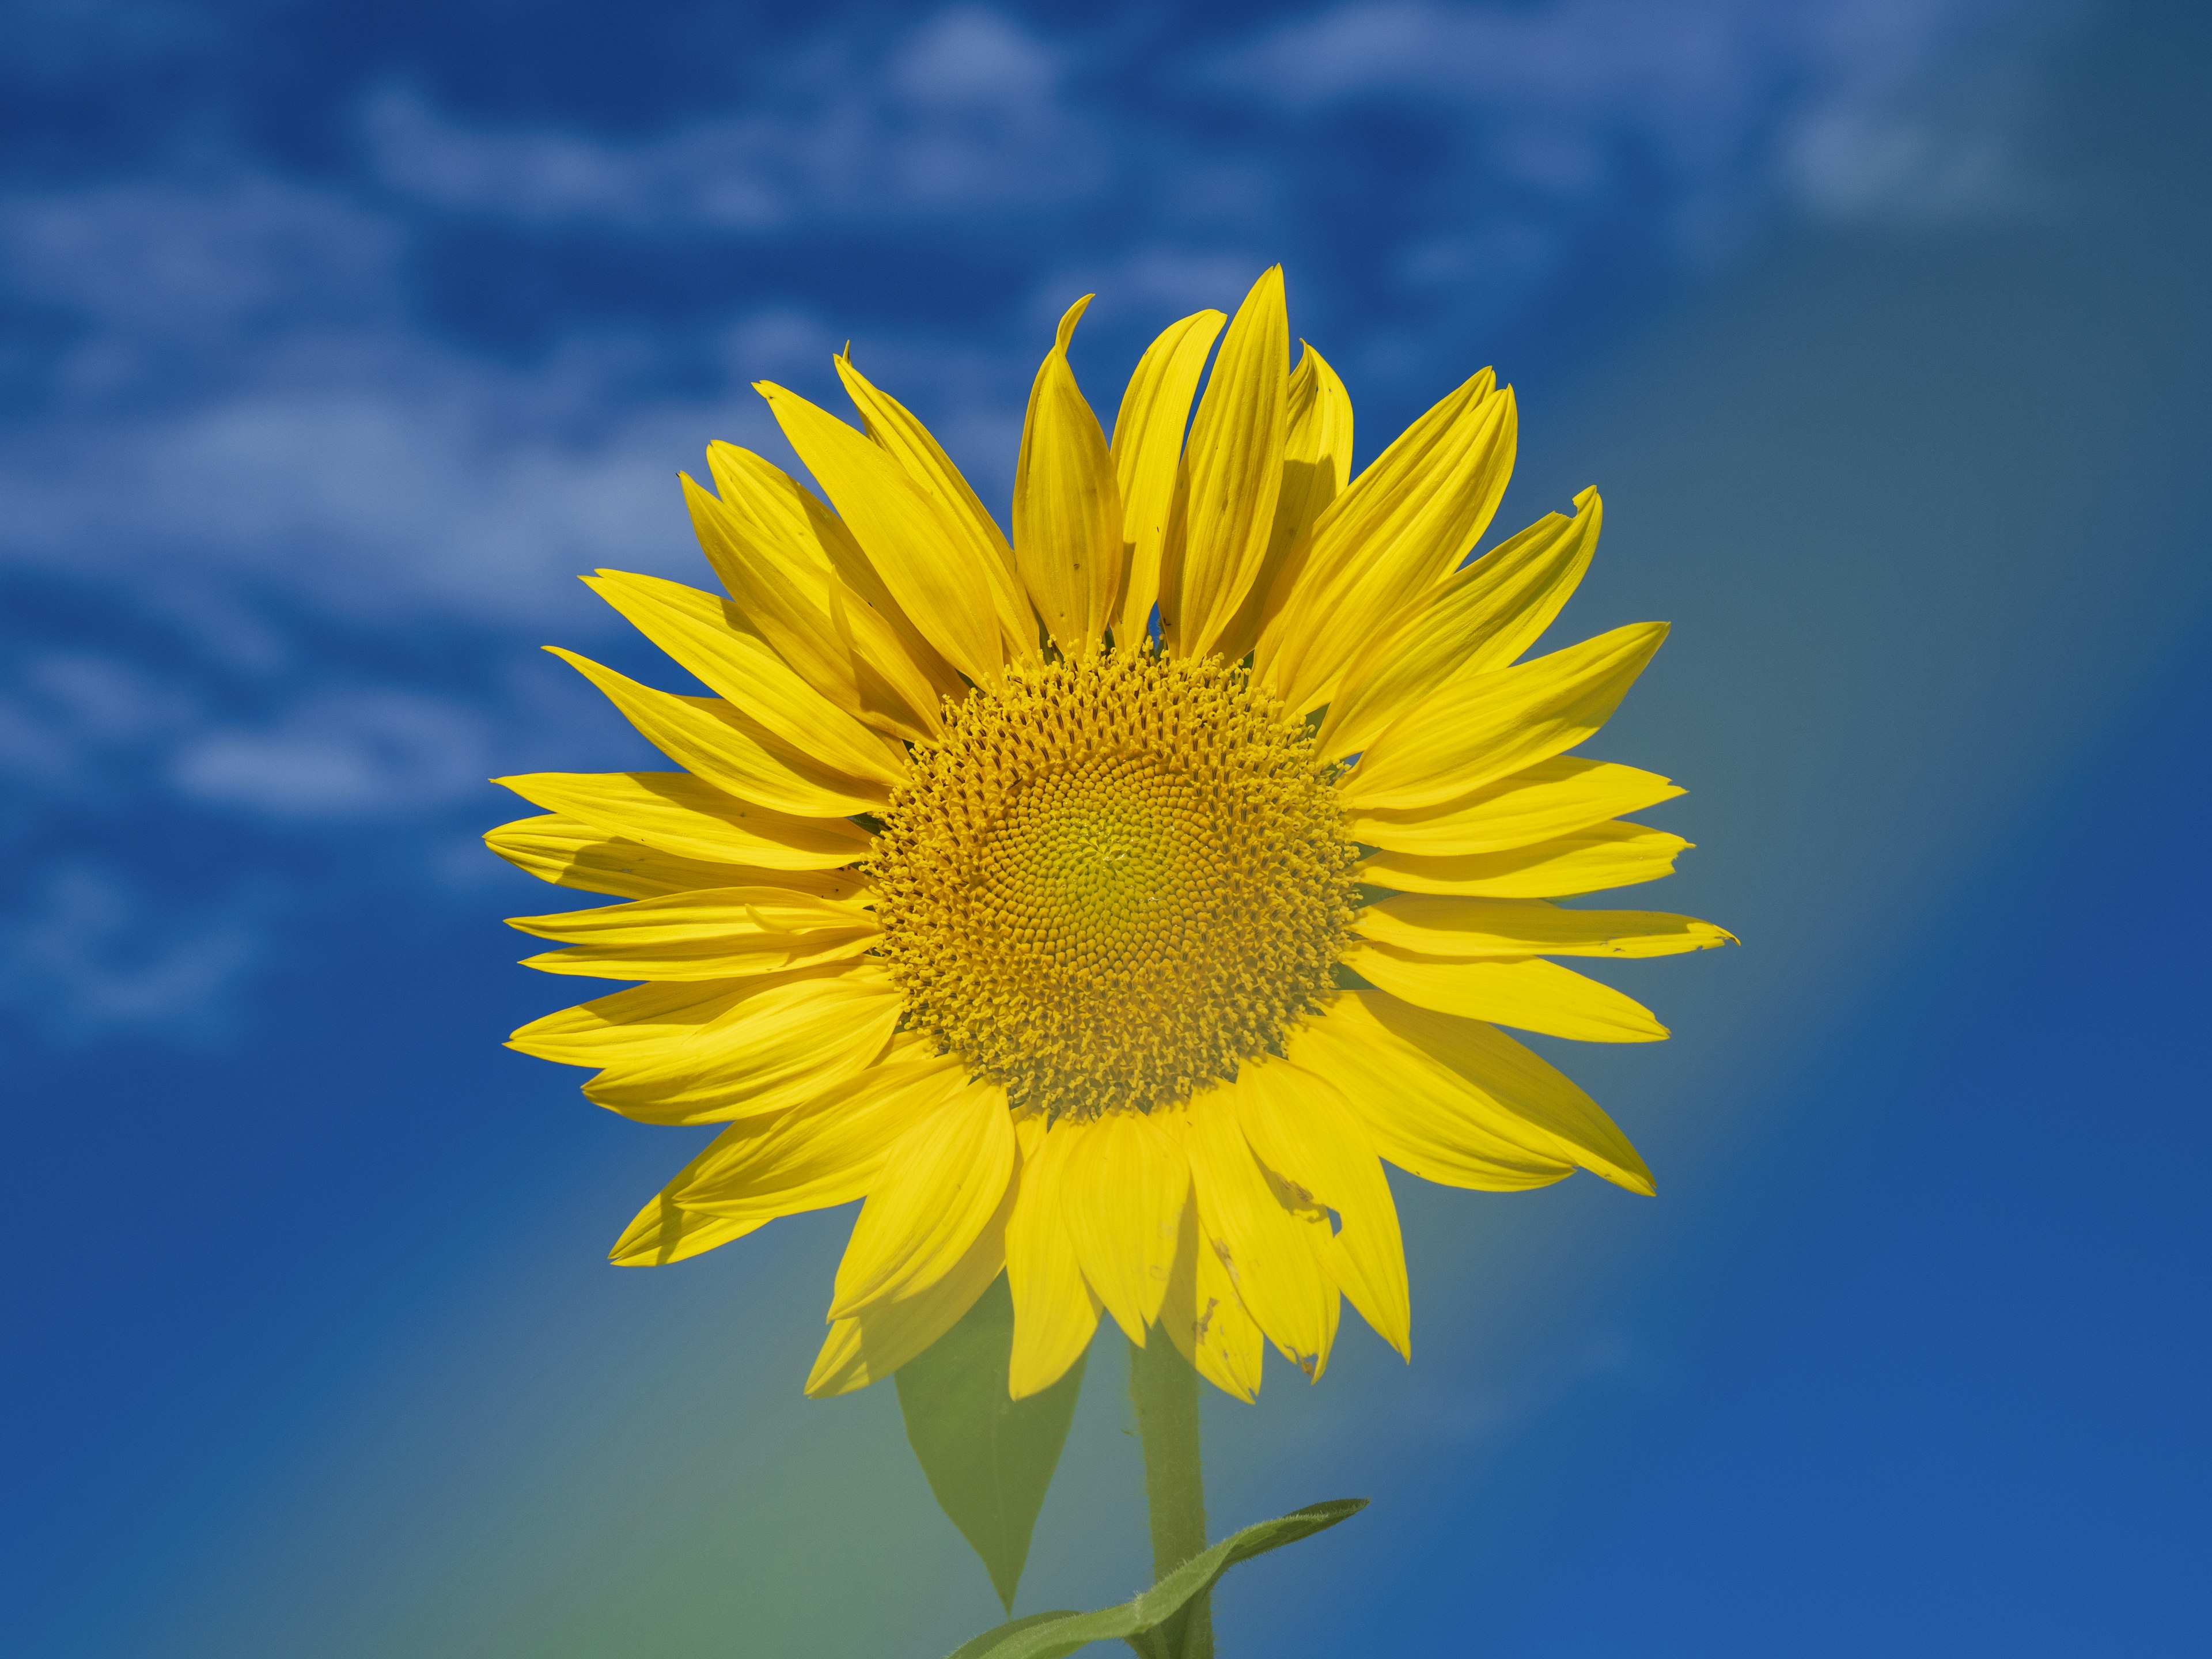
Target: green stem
{"points": [[1164, 1390]]}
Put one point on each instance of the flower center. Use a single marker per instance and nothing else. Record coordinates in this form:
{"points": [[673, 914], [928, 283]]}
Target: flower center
{"points": [[1110, 882]]}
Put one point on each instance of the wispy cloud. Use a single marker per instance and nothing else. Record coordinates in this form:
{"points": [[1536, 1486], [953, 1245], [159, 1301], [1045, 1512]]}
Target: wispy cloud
{"points": [[1844, 110], [960, 115], [66, 703], [373, 754], [234, 377], [92, 956], [409, 377]]}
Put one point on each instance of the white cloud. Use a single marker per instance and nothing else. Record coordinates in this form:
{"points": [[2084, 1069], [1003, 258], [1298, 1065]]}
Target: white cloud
{"points": [[220, 250], [88, 957], [322, 444], [370, 754], [1840, 106], [65, 706], [962, 115], [246, 403], [968, 57], [1397, 48], [245, 395], [1883, 163], [416, 481], [335, 452], [369, 499], [104, 698], [705, 177]]}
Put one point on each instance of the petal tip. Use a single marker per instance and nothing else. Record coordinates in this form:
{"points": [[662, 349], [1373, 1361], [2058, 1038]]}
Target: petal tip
{"points": [[1068, 320]]}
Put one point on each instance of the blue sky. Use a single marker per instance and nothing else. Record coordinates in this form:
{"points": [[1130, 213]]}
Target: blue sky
{"points": [[333, 345]]}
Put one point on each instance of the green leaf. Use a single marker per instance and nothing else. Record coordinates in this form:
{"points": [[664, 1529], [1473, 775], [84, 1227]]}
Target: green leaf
{"points": [[988, 1458], [1053, 1636], [976, 1646]]}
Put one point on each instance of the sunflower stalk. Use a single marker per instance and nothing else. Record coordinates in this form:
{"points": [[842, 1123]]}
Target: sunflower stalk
{"points": [[1163, 1388]]}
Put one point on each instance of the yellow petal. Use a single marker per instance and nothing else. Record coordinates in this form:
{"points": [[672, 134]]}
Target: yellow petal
{"points": [[1205, 1319], [1123, 1182], [766, 539], [1055, 1311], [827, 1151], [1314, 1223], [772, 953], [709, 913], [940, 1184], [1316, 463], [663, 1231], [778, 591], [627, 1024], [817, 1155], [1396, 532], [1519, 1093], [1601, 856], [782, 1039], [557, 848], [721, 933], [873, 614], [695, 629], [1480, 618], [1309, 1136], [1235, 460], [769, 505], [1475, 731], [1432, 1082], [1147, 452], [910, 443], [678, 814], [1460, 928], [875, 1342], [929, 567], [1261, 1241], [1538, 803], [1423, 1115], [814, 537], [1067, 506], [707, 737], [1529, 994]]}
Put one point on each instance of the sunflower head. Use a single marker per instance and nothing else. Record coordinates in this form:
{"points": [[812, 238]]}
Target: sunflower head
{"points": [[1105, 906], [1113, 880]]}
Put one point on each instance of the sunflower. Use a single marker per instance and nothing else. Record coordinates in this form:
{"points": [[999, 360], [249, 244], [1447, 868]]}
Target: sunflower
{"points": [[1105, 908]]}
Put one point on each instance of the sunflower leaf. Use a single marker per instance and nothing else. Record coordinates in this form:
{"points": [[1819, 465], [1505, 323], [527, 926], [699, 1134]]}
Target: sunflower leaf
{"points": [[988, 1458], [980, 1647], [1053, 1636]]}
